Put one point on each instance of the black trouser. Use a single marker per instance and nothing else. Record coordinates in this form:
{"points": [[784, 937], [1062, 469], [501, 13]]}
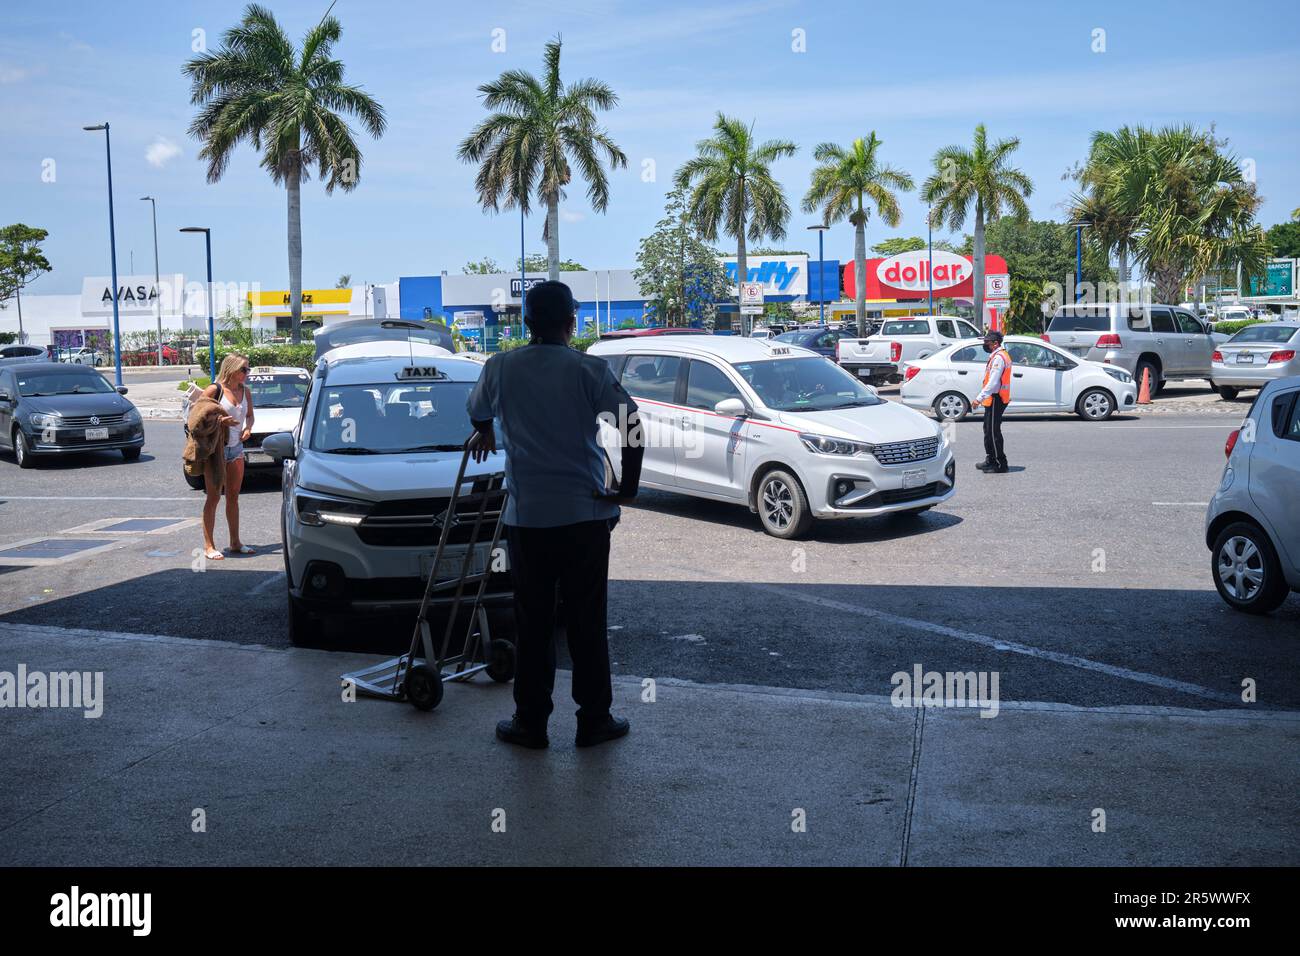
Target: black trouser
{"points": [[993, 450], [576, 556]]}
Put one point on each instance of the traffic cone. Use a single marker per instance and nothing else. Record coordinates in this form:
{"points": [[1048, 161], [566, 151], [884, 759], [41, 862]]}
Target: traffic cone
{"points": [[1144, 393]]}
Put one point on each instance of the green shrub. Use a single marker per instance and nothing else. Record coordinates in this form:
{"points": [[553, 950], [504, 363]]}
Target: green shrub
{"points": [[1232, 328], [291, 356]]}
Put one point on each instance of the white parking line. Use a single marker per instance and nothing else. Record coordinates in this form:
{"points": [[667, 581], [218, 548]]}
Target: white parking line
{"points": [[1183, 504], [1000, 644]]}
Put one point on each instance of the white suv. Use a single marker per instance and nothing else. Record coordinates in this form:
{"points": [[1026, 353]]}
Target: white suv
{"points": [[367, 482], [777, 428], [1252, 527]]}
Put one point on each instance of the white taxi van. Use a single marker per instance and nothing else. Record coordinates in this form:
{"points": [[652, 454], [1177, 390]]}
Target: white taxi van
{"points": [[367, 481], [777, 428]]}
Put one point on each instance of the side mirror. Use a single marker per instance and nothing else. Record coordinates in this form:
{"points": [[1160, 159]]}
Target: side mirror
{"points": [[4, 396], [732, 407], [121, 390], [279, 446]]}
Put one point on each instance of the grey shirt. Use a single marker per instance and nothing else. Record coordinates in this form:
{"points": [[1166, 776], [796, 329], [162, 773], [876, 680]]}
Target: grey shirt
{"points": [[546, 398]]}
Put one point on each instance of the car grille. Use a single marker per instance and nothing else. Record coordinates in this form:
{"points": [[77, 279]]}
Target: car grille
{"points": [[906, 452], [415, 522], [84, 421], [896, 496]]}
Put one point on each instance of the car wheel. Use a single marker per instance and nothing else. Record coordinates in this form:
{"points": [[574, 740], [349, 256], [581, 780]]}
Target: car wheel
{"points": [[131, 454], [196, 482], [951, 407], [1228, 393], [1141, 370], [305, 630], [22, 453], [782, 505], [1095, 405], [1246, 570]]}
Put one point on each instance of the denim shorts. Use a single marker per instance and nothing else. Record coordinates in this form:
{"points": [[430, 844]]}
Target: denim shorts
{"points": [[234, 452]]}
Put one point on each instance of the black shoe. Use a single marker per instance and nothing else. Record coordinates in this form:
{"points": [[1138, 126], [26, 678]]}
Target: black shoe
{"points": [[514, 732], [611, 728], [986, 465], [1001, 469]]}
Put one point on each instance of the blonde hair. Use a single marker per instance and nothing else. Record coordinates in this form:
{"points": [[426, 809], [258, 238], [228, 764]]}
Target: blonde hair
{"points": [[229, 366]]}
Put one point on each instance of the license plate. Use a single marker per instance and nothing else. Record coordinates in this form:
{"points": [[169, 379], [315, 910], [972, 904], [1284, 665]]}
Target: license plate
{"points": [[1079, 350], [449, 566], [914, 478], [1245, 358], [257, 458], [864, 373], [96, 434]]}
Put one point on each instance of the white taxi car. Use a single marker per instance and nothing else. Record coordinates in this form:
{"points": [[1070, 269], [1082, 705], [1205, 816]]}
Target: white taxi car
{"points": [[367, 482], [279, 392], [777, 428], [1043, 379]]}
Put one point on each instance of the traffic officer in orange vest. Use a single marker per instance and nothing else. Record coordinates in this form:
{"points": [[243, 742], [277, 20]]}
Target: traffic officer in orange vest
{"points": [[994, 397]]}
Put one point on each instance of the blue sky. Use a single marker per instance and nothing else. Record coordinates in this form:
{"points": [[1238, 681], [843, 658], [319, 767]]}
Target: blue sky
{"points": [[920, 75]]}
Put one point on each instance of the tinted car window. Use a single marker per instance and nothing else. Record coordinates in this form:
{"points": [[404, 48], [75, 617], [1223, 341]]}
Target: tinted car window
{"points": [[946, 328], [1162, 321], [971, 353], [651, 376], [790, 337], [1188, 324], [62, 381], [1083, 318], [968, 331], [1286, 416], [1273, 334], [391, 418], [351, 333], [18, 351], [706, 385], [913, 327], [278, 390]]}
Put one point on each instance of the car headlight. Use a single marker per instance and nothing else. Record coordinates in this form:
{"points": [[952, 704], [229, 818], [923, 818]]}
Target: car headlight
{"points": [[132, 417], [319, 510], [1119, 375], [826, 445], [41, 420]]}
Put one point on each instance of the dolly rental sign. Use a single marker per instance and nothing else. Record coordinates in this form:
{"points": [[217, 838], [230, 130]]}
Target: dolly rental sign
{"points": [[911, 275]]}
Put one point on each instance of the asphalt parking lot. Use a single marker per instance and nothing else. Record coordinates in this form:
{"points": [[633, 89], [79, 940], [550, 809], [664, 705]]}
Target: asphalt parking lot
{"points": [[1081, 577]]}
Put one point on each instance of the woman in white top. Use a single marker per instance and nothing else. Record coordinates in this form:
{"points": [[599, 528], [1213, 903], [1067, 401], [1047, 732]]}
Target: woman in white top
{"points": [[230, 389]]}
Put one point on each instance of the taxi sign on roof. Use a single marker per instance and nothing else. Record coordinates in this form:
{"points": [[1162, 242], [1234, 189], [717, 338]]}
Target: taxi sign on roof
{"points": [[418, 372]]}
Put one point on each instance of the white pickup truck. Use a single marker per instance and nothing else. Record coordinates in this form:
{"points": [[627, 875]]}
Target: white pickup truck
{"points": [[878, 358]]}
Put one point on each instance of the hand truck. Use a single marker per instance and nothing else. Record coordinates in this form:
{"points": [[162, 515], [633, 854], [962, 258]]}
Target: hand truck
{"points": [[418, 675]]}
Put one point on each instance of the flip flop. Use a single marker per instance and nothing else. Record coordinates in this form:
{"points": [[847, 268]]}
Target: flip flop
{"points": [[212, 554], [243, 549]]}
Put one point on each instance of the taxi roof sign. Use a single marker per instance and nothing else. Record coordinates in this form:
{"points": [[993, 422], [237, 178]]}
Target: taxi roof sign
{"points": [[418, 372]]}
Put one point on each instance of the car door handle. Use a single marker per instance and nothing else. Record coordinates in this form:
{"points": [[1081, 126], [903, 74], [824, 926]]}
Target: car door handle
{"points": [[1017, 374], [963, 373]]}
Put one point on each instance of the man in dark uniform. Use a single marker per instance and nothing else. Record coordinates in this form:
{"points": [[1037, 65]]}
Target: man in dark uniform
{"points": [[559, 515]]}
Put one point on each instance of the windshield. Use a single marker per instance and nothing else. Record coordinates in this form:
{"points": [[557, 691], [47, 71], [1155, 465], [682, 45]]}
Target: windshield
{"points": [[1272, 334], [392, 418], [809, 384], [71, 382], [792, 337], [278, 390], [349, 334]]}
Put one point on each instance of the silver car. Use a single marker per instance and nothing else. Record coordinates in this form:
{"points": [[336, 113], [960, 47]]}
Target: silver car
{"points": [[1252, 527], [1167, 340], [1255, 356]]}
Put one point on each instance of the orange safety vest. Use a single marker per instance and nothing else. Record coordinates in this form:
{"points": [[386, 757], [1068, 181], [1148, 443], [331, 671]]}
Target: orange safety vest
{"points": [[1004, 392]]}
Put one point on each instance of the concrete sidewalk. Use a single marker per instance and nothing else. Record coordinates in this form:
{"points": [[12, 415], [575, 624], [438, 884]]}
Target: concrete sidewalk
{"points": [[287, 773]]}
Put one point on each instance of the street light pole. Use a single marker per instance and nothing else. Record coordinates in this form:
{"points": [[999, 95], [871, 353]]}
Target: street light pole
{"points": [[112, 246], [523, 275], [212, 333], [821, 272], [1078, 258], [157, 279], [929, 244]]}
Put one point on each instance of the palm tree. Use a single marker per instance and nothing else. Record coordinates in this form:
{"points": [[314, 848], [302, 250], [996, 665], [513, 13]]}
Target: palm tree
{"points": [[1187, 203], [538, 128], [287, 103], [840, 187], [1106, 204], [731, 185], [983, 177]]}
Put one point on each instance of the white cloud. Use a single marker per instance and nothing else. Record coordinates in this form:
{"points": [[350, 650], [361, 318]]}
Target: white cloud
{"points": [[569, 216], [13, 74], [161, 152]]}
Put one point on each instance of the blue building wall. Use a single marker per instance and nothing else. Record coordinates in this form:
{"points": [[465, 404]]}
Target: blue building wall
{"points": [[418, 294]]}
